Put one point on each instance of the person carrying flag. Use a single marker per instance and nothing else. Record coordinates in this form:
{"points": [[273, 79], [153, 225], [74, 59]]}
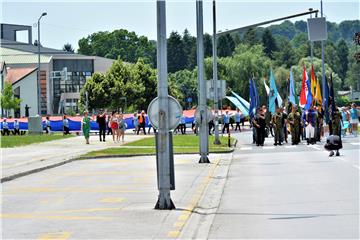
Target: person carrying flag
{"points": [[310, 123]]}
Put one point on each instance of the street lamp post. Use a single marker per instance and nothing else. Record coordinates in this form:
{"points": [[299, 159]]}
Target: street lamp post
{"points": [[38, 72], [215, 79]]}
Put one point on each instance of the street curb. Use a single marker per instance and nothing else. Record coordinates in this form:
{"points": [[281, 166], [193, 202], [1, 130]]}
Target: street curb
{"points": [[36, 170], [147, 154]]}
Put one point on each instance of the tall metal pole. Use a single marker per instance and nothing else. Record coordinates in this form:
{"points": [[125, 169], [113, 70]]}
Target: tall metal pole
{"points": [[311, 44], [322, 56], [164, 200], [38, 70], [215, 79], [203, 131]]}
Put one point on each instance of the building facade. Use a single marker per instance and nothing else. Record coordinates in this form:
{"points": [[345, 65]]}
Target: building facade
{"points": [[62, 74]]}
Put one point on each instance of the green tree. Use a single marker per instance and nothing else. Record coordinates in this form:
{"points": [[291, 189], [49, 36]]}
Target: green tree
{"points": [[269, 43], [186, 81], [68, 48], [189, 49], [331, 57], [225, 45], [175, 52], [353, 73], [97, 90], [8, 100], [250, 37], [119, 44], [342, 52], [207, 45], [286, 56]]}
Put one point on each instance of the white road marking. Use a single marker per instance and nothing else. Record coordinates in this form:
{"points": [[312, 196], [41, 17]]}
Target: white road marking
{"points": [[357, 143], [356, 166], [272, 147], [246, 148], [290, 146]]}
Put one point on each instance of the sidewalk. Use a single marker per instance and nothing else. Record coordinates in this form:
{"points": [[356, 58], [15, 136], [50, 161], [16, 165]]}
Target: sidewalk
{"points": [[23, 160], [111, 199]]}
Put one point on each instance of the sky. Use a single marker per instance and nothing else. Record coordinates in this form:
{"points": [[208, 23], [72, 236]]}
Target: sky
{"points": [[68, 21]]}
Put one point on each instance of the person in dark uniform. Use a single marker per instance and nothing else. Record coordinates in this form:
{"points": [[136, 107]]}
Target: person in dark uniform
{"points": [[336, 128], [284, 123], [277, 119], [260, 124], [27, 110], [101, 120], [294, 121]]}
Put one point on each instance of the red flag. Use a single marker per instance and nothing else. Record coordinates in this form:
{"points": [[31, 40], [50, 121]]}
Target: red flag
{"points": [[303, 88]]}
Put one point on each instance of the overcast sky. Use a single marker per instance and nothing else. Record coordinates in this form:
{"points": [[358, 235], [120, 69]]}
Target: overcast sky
{"points": [[68, 21]]}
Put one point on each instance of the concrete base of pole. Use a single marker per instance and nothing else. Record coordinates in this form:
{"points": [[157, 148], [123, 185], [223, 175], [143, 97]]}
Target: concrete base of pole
{"points": [[217, 142], [204, 159], [164, 203]]}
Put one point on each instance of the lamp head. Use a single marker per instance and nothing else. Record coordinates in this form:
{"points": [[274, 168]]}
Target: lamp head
{"points": [[43, 14]]}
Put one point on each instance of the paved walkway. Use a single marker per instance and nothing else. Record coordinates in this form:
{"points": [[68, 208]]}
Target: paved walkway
{"points": [[41, 155]]}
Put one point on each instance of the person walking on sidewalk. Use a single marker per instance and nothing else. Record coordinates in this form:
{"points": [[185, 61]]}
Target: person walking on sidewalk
{"points": [[278, 127], [122, 127], [16, 127], [47, 125], [226, 120], [114, 125], [354, 119], [5, 128], [86, 126], [237, 120], [65, 125], [101, 120], [294, 121], [141, 120]]}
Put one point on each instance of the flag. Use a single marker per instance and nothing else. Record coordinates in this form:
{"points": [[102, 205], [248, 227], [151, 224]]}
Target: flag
{"points": [[318, 96], [292, 94], [326, 101], [253, 99], [243, 102], [309, 97], [303, 92], [267, 89], [313, 81], [273, 94], [332, 95]]}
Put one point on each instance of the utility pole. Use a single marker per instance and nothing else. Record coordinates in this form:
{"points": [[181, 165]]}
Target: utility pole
{"points": [[202, 108], [164, 200], [38, 70], [311, 43], [322, 54], [215, 79]]}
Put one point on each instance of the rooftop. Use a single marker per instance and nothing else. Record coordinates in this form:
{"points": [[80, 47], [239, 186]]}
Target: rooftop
{"points": [[16, 74]]}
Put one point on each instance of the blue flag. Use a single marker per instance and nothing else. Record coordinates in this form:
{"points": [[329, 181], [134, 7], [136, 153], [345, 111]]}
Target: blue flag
{"points": [[292, 89], [326, 101], [273, 94], [309, 97], [332, 95], [252, 98]]}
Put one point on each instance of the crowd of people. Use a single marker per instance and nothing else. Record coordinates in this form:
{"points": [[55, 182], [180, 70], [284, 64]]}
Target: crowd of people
{"points": [[303, 124], [6, 131]]}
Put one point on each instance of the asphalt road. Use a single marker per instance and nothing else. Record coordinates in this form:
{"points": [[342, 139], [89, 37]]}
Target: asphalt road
{"points": [[290, 192], [256, 192]]}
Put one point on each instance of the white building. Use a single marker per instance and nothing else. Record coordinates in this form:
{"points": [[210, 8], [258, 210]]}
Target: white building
{"points": [[62, 74]]}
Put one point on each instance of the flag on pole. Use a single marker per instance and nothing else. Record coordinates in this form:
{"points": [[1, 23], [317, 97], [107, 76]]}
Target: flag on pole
{"points": [[313, 81], [292, 94], [326, 101], [254, 99], [303, 92], [318, 96], [267, 89], [309, 98], [273, 94], [332, 95]]}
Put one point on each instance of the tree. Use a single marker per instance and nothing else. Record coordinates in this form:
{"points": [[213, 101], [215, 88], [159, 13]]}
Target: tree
{"points": [[175, 52], [353, 73], [189, 49], [225, 45], [269, 43], [186, 81], [119, 44], [331, 57], [68, 48], [250, 37], [207, 45], [98, 92], [8, 100], [286, 55], [342, 52]]}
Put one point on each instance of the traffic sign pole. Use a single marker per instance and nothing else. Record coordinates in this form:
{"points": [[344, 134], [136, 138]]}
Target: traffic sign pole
{"points": [[164, 200], [203, 131]]}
